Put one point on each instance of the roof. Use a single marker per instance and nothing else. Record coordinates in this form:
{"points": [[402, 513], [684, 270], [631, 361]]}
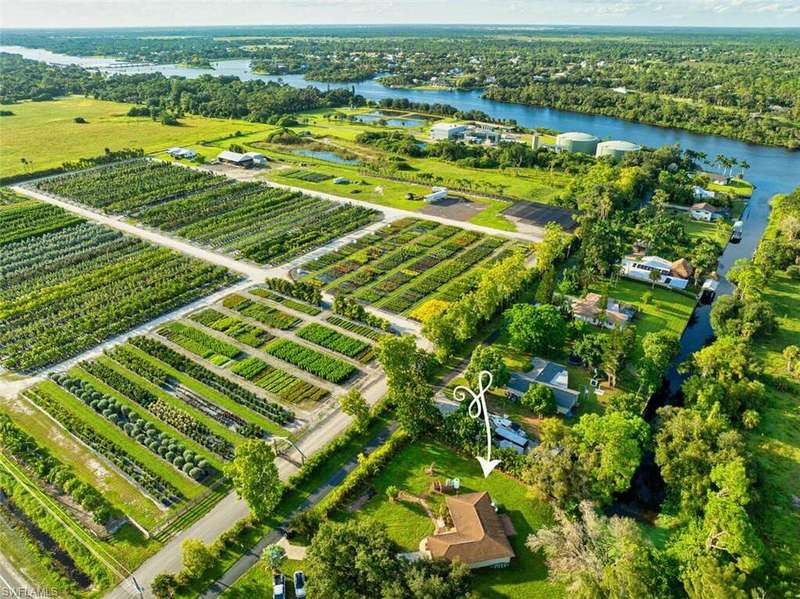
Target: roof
{"points": [[615, 144], [652, 261], [566, 399], [705, 206], [447, 126], [589, 307], [682, 268], [233, 156], [576, 136], [479, 534], [549, 373]]}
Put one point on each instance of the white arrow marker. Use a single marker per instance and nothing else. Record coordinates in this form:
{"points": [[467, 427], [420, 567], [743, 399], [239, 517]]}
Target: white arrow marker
{"points": [[476, 408]]}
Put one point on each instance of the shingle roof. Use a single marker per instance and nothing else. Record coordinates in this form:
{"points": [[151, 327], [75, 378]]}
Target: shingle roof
{"points": [[479, 534]]}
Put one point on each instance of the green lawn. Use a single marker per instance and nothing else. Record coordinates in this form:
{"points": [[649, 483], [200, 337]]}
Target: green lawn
{"points": [[738, 187], [775, 444], [527, 575], [668, 310], [45, 134]]}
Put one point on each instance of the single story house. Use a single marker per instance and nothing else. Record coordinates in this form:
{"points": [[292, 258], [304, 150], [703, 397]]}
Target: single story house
{"points": [[549, 374], [674, 275], [703, 194], [479, 536], [588, 309], [181, 153], [717, 177], [705, 211]]}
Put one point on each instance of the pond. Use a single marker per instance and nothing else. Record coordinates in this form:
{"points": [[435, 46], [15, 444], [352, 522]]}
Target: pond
{"points": [[326, 155], [374, 117]]}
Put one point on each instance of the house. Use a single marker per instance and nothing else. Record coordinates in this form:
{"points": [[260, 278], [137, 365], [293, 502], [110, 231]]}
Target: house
{"points": [[181, 153], [702, 193], [509, 434], [235, 158], [717, 177], [614, 314], [549, 374], [447, 131], [258, 159], [438, 193], [674, 275], [478, 537], [705, 211]]}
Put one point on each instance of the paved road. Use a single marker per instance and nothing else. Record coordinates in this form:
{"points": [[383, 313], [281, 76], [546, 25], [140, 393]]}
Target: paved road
{"points": [[12, 584], [231, 508], [251, 558]]}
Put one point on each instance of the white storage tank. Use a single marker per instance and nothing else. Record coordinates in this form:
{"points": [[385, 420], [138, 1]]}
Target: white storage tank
{"points": [[575, 141], [616, 148]]}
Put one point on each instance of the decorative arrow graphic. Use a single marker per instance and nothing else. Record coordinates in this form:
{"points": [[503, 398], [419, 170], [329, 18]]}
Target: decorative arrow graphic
{"points": [[476, 409]]}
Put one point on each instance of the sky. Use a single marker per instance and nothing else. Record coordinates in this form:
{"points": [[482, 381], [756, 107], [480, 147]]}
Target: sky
{"points": [[170, 13]]}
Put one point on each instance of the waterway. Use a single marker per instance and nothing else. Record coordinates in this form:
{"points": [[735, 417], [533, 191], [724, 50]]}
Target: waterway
{"points": [[772, 170]]}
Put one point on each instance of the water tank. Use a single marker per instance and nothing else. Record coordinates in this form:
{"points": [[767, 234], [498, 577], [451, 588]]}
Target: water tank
{"points": [[574, 141], [616, 149]]}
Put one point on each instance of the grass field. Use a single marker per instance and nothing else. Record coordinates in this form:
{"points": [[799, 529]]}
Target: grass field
{"points": [[738, 187], [45, 134], [527, 575], [775, 443]]}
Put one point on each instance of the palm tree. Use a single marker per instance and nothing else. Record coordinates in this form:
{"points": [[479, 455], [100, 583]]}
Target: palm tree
{"points": [[654, 276], [743, 165]]}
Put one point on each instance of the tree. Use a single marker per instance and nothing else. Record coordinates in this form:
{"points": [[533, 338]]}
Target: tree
{"points": [[791, 353], [688, 445], [655, 277], [547, 286], [353, 404], [610, 447], [272, 557], [487, 358], [554, 470], [616, 347], [551, 247], [535, 329], [350, 560], [197, 557], [164, 586], [598, 557], [589, 349], [255, 477], [540, 400], [659, 348]]}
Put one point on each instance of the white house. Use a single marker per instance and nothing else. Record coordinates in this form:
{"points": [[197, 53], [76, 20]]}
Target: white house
{"points": [[447, 131], [181, 153], [671, 274], [705, 211], [701, 193]]}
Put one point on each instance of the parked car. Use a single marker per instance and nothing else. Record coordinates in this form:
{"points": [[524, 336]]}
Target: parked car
{"points": [[278, 586], [299, 584]]}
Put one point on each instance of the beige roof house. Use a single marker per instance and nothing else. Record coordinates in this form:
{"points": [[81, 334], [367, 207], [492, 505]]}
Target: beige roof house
{"points": [[479, 536], [588, 309], [682, 268]]}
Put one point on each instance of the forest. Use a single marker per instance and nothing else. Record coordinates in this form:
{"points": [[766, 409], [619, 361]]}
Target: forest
{"points": [[740, 84]]}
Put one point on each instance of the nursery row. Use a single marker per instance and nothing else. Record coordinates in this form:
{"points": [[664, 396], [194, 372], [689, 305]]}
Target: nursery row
{"points": [[272, 317], [180, 421], [233, 327], [71, 288], [319, 364], [290, 303], [199, 343], [281, 384], [152, 483], [217, 382], [128, 357], [250, 220], [138, 428], [28, 219], [335, 341]]}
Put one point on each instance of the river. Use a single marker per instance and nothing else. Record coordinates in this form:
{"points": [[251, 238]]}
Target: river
{"points": [[772, 170]]}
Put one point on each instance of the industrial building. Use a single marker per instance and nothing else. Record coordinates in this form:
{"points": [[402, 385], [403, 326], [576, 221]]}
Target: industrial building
{"points": [[575, 141], [616, 149], [441, 131]]}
